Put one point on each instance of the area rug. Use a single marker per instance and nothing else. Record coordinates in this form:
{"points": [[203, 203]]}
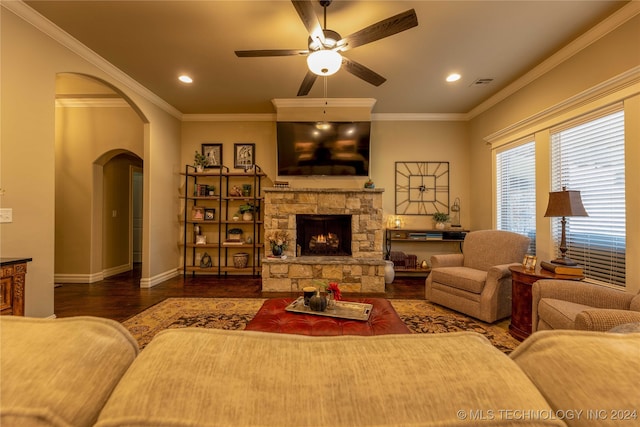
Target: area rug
{"points": [[420, 316]]}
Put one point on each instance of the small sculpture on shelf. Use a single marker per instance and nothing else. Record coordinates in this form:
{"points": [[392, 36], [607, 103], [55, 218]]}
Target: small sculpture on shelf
{"points": [[205, 261]]}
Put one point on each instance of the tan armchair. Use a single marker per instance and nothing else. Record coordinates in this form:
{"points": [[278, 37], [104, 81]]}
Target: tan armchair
{"points": [[477, 282], [567, 304]]}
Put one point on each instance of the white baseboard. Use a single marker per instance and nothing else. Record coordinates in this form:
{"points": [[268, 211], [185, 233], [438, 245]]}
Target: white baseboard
{"points": [[78, 278], [159, 278], [117, 270]]}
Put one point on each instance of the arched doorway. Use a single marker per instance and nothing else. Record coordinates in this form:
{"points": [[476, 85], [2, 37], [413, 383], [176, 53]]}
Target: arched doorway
{"points": [[99, 144]]}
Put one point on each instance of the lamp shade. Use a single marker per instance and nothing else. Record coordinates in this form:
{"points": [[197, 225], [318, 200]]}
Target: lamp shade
{"points": [[565, 203], [324, 62]]}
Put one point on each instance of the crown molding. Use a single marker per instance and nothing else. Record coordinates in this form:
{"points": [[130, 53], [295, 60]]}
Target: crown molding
{"points": [[323, 102], [228, 117], [22, 10], [600, 30], [419, 117], [92, 103]]}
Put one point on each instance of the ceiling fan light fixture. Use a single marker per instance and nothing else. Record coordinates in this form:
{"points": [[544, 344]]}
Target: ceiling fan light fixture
{"points": [[324, 62]]}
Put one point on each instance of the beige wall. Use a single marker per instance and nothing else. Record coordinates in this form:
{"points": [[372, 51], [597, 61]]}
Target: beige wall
{"points": [[612, 55], [31, 60], [86, 136], [390, 142]]}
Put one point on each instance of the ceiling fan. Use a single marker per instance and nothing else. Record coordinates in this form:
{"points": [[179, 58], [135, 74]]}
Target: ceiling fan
{"points": [[325, 45]]}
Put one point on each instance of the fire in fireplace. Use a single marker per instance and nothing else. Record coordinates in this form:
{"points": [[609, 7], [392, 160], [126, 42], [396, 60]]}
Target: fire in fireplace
{"points": [[324, 235]]}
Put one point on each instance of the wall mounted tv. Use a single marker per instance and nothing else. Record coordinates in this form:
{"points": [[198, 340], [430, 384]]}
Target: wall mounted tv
{"points": [[323, 148]]}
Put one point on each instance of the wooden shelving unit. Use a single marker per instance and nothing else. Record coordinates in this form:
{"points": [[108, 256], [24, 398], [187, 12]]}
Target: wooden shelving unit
{"points": [[216, 229]]}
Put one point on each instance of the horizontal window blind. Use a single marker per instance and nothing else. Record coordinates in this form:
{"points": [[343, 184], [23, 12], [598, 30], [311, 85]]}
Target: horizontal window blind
{"points": [[588, 156], [516, 191]]}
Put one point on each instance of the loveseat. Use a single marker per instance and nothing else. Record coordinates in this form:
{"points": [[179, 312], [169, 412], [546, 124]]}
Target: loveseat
{"points": [[88, 371]]}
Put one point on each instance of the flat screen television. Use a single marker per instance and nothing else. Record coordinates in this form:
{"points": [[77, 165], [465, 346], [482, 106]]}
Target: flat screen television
{"points": [[323, 148]]}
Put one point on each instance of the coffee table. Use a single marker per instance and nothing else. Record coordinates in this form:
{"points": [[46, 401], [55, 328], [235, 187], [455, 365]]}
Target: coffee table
{"points": [[272, 317]]}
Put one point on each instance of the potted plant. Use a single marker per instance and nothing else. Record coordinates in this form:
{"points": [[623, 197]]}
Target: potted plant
{"points": [[246, 210], [199, 161], [440, 218], [278, 239]]}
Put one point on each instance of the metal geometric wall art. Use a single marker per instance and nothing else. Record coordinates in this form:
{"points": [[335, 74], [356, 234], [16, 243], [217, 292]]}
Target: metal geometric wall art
{"points": [[422, 188]]}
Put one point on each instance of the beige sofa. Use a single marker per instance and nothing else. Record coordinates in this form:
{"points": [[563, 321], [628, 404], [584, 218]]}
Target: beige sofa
{"points": [[87, 371], [567, 304]]}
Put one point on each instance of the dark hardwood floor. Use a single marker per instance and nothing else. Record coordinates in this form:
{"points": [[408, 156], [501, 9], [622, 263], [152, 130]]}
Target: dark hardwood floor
{"points": [[120, 297]]}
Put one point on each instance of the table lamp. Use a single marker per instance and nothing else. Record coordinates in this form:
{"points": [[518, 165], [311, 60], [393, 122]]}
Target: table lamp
{"points": [[563, 204]]}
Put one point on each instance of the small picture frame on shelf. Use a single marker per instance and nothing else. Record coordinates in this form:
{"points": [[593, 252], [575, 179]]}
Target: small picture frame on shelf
{"points": [[243, 155], [197, 213], [213, 154], [209, 214], [529, 262]]}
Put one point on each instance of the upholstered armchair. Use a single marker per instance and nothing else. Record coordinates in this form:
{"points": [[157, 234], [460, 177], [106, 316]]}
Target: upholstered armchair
{"points": [[568, 304], [478, 281]]}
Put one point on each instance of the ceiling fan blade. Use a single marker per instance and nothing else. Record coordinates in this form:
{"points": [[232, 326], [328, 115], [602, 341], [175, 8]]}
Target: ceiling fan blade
{"points": [[363, 72], [270, 52], [309, 19], [307, 83], [385, 28]]}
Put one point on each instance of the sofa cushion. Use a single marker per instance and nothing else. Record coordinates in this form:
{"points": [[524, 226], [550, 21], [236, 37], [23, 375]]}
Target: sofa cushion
{"points": [[60, 372], [208, 377], [593, 372], [559, 314], [467, 279]]}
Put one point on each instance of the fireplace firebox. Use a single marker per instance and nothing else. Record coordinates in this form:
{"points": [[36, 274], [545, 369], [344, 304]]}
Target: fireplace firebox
{"points": [[324, 235]]}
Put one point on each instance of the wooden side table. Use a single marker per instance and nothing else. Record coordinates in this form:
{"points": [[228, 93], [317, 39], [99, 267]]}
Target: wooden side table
{"points": [[521, 301], [12, 285]]}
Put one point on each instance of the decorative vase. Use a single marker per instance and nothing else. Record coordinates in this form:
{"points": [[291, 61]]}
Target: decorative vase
{"points": [[318, 302], [277, 250], [240, 260], [389, 272], [199, 169], [440, 225], [247, 216], [331, 300]]}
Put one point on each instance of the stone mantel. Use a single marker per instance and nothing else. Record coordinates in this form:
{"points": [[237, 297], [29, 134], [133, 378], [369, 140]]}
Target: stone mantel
{"points": [[322, 190]]}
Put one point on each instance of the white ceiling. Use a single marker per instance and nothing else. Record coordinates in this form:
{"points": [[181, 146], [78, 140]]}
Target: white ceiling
{"points": [[154, 41]]}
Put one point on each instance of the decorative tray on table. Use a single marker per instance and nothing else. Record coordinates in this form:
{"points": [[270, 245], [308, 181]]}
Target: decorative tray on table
{"points": [[342, 310]]}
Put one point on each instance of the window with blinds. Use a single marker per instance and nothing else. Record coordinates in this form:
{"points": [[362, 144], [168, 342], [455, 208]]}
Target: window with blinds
{"points": [[588, 156], [516, 191]]}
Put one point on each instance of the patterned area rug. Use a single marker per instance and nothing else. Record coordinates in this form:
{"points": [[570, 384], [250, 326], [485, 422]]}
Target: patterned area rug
{"points": [[420, 316]]}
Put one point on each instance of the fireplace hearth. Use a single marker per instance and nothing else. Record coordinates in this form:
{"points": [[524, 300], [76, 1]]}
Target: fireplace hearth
{"points": [[324, 235]]}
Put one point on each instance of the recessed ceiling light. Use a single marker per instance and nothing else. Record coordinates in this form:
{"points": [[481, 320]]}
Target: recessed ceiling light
{"points": [[185, 79], [454, 77]]}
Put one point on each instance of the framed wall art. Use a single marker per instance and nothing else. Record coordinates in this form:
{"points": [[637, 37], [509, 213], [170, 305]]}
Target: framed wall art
{"points": [[197, 213], [209, 214], [422, 188], [243, 155], [213, 153]]}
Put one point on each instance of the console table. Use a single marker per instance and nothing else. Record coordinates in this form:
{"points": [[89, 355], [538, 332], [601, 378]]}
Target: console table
{"points": [[402, 235], [12, 284], [522, 280]]}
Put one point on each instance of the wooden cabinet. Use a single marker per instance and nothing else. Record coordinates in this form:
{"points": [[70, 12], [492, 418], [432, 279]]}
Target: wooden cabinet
{"points": [[521, 300], [212, 228], [395, 237], [12, 285]]}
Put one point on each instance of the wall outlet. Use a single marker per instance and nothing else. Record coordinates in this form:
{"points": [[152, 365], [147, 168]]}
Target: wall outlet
{"points": [[6, 215]]}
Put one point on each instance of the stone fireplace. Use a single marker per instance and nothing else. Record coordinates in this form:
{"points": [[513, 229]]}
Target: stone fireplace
{"points": [[335, 235], [323, 235]]}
